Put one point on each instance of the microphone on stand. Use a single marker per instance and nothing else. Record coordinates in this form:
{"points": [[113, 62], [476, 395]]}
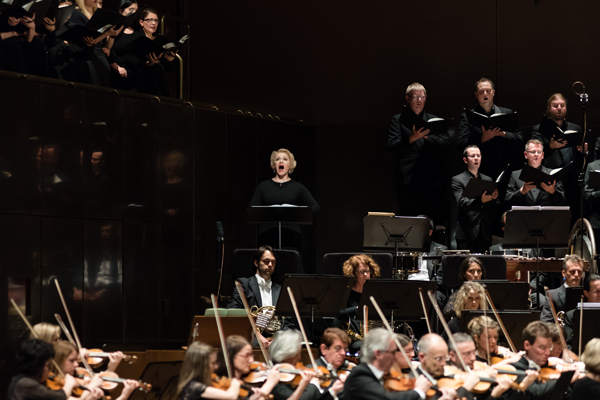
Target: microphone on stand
{"points": [[583, 96], [220, 232]]}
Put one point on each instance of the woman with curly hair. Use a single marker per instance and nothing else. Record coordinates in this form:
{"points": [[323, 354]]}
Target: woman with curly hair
{"points": [[471, 269], [470, 296]]}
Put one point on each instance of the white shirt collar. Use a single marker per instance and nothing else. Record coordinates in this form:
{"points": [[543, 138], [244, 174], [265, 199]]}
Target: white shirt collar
{"points": [[378, 373], [262, 283], [532, 364]]}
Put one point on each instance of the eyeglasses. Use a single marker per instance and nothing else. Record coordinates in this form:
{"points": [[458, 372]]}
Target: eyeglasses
{"points": [[363, 272], [245, 356], [474, 156], [418, 97], [535, 151], [151, 20]]}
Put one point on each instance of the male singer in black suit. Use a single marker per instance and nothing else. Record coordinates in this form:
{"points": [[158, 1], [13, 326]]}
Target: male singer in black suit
{"points": [[498, 147], [572, 273], [419, 173], [259, 289], [474, 215], [366, 380], [521, 193]]}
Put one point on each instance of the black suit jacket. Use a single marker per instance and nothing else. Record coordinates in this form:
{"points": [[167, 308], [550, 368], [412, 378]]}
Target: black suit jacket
{"points": [[252, 292], [496, 153], [417, 161], [592, 196], [282, 391], [559, 297], [473, 215], [363, 385], [537, 390], [558, 158], [534, 197]]}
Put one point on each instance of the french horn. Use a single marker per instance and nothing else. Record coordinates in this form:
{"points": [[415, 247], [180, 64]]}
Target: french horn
{"points": [[266, 320]]}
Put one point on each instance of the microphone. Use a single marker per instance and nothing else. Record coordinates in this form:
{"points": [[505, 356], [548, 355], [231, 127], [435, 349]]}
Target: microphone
{"points": [[220, 232], [583, 96]]}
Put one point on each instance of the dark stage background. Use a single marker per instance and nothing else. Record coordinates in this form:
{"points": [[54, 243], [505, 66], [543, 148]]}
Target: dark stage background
{"points": [[339, 66]]}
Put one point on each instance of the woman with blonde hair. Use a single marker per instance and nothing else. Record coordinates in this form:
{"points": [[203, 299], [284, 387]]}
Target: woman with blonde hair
{"points": [[489, 339], [470, 296], [47, 332]]}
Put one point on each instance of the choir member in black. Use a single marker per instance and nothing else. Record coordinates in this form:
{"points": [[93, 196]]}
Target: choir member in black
{"points": [[572, 273], [286, 349], [240, 355], [16, 35], [154, 74], [592, 200], [95, 69], [362, 267], [471, 296], [433, 353], [125, 67], [419, 172], [474, 215], [591, 290], [195, 378], [589, 386], [365, 381], [496, 146], [471, 269], [537, 341], [35, 362], [486, 341], [260, 290], [282, 189], [521, 193]]}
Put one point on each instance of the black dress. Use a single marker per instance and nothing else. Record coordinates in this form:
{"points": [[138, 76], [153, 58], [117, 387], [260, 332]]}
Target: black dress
{"points": [[126, 60], [192, 391]]}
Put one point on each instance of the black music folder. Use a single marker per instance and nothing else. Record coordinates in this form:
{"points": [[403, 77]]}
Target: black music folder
{"points": [[550, 129], [537, 176], [436, 126], [476, 187], [62, 16], [103, 20], [77, 33], [506, 122], [143, 46]]}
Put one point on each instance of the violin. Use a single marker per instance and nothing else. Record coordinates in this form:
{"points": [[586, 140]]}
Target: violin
{"points": [[96, 357], [508, 371], [110, 380], [454, 378], [57, 382], [398, 382], [224, 383], [288, 374]]}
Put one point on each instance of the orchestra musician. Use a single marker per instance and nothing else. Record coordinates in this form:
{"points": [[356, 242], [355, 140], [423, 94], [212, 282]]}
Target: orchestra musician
{"points": [[572, 273], [260, 290], [474, 215], [286, 348], [486, 341], [334, 343], [471, 296], [195, 378], [471, 269], [365, 381], [589, 386], [591, 290], [409, 349]]}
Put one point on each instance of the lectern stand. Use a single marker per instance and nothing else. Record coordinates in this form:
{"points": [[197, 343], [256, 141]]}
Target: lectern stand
{"points": [[280, 215], [539, 227]]}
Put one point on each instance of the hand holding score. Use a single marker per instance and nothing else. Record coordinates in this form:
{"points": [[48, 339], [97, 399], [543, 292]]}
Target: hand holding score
{"points": [[490, 134], [418, 134], [526, 187], [549, 188], [485, 197], [557, 143]]}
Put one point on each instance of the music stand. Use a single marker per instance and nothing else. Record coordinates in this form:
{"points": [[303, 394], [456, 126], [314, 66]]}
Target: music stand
{"points": [[316, 295], [399, 233], [280, 214], [397, 299], [590, 328], [544, 227], [514, 322], [508, 295], [573, 297]]}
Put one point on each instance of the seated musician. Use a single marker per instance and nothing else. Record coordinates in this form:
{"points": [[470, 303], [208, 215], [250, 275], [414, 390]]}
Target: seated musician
{"points": [[572, 273], [286, 348], [66, 358], [471, 269], [401, 365], [589, 386], [35, 363], [241, 357], [487, 342], [591, 290], [195, 378], [433, 353], [362, 267], [365, 381], [471, 296], [558, 350], [334, 343], [259, 289]]}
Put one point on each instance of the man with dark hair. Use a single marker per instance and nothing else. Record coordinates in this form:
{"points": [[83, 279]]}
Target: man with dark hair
{"points": [[260, 290], [474, 230], [572, 273], [334, 344], [496, 146], [419, 172], [521, 193], [591, 290]]}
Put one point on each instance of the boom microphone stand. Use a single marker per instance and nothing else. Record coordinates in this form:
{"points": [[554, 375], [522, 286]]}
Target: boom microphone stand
{"points": [[583, 98]]}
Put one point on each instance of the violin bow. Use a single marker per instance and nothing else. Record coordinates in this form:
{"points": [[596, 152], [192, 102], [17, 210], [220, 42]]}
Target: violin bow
{"points": [[77, 341], [254, 328], [447, 329], [310, 354], [560, 332], [424, 309], [580, 326], [35, 335], [397, 342], [493, 307], [221, 336], [366, 318], [487, 334]]}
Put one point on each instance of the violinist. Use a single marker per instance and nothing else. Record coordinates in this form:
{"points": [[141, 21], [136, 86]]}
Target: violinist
{"points": [[558, 351], [240, 355], [409, 349], [35, 361], [334, 344], [195, 378], [589, 386], [433, 352], [487, 341], [286, 348], [365, 381]]}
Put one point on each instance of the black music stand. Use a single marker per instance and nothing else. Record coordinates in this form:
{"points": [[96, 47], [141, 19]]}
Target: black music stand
{"points": [[591, 325], [514, 322], [316, 295], [399, 233], [539, 227], [508, 295], [280, 215], [397, 299], [573, 297]]}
